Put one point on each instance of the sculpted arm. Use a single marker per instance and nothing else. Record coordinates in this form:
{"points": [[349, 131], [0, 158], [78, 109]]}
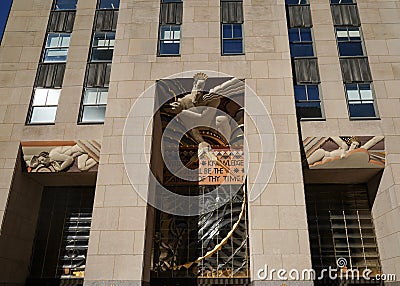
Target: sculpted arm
{"points": [[371, 143]]}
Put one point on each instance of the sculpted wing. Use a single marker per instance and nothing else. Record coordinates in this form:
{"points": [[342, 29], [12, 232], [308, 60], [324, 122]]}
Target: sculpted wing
{"points": [[229, 88]]}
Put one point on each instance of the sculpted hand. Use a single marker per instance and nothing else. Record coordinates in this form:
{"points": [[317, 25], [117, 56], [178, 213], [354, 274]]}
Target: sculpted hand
{"points": [[176, 106]]}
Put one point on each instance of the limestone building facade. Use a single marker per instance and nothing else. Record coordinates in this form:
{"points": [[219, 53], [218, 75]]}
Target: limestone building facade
{"points": [[79, 202]]}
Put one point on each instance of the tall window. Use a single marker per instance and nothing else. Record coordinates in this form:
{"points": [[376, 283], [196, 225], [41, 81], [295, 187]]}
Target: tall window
{"points": [[51, 69], [97, 78], [232, 27], [169, 38], [56, 49], [304, 63], [65, 5], [44, 105], [357, 78]]}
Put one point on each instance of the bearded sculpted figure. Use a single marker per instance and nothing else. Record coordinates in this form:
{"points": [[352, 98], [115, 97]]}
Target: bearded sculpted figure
{"points": [[200, 108]]}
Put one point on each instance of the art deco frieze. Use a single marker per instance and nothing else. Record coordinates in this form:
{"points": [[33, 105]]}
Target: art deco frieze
{"points": [[342, 152], [65, 156]]}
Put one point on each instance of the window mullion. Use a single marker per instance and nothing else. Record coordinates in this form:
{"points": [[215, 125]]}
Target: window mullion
{"points": [[47, 98]]}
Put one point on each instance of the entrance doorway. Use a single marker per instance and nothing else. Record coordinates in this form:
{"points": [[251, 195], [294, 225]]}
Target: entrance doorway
{"points": [[341, 230], [62, 236]]}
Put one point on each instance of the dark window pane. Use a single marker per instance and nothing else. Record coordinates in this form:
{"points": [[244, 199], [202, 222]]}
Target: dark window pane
{"points": [[93, 113], [169, 48], [301, 50], [350, 49], [233, 46], [102, 54], [309, 109], [364, 87], [295, 2], [300, 92], [294, 35], [65, 5], [237, 31], [305, 35], [341, 1], [313, 93], [227, 31], [362, 110], [98, 38], [109, 4], [351, 87]]}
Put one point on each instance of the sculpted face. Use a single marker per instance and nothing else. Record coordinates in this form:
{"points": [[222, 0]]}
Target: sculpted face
{"points": [[354, 145]]}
